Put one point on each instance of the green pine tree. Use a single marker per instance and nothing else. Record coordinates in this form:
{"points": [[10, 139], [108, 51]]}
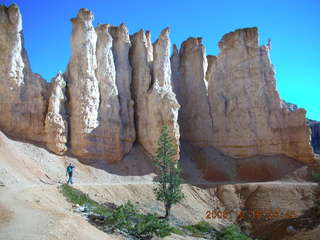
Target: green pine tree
{"points": [[168, 182]]}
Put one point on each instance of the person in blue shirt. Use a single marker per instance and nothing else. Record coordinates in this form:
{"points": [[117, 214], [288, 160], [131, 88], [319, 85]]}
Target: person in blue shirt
{"points": [[69, 173]]}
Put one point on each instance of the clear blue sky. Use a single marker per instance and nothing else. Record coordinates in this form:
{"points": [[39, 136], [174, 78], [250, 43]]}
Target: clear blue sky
{"points": [[293, 26]]}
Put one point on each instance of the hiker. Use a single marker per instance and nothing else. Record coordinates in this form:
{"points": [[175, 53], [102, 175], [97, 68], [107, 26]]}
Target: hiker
{"points": [[69, 173]]}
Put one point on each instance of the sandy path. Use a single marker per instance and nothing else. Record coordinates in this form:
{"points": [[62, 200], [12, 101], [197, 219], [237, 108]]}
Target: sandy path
{"points": [[28, 223], [39, 212]]}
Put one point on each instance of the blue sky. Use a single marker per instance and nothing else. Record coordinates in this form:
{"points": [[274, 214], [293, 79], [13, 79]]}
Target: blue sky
{"points": [[292, 25]]}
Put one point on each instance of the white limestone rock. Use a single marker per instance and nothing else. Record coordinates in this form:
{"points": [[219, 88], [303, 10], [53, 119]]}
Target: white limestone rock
{"points": [[94, 105], [155, 102], [23, 94], [107, 136], [83, 85], [189, 73], [249, 117], [56, 124], [120, 49]]}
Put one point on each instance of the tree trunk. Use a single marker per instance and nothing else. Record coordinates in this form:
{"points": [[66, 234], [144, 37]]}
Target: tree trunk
{"points": [[167, 207]]}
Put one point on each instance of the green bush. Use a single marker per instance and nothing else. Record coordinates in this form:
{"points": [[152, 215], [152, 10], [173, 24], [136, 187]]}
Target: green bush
{"points": [[232, 233], [316, 177], [150, 225], [199, 229], [75, 196], [178, 231], [122, 216], [126, 218]]}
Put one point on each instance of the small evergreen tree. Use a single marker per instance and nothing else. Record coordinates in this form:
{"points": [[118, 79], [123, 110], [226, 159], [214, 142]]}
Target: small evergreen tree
{"points": [[168, 183]]}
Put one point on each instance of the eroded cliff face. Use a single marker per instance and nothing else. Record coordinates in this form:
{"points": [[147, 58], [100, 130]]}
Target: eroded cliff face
{"points": [[191, 88], [82, 84], [120, 49], [118, 89], [94, 105], [23, 94], [230, 101], [90, 108], [155, 102], [56, 125], [249, 117]]}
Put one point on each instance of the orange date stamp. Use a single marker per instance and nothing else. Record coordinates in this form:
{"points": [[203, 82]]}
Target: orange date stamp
{"points": [[252, 214]]}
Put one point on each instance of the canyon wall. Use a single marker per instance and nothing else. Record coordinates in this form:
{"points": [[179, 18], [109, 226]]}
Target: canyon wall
{"points": [[120, 89], [237, 108]]}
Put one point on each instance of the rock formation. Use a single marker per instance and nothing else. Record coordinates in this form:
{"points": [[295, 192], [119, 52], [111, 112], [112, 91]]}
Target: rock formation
{"points": [[120, 48], [94, 106], [23, 94], [315, 136], [248, 116], [211, 60], [56, 124], [108, 142], [82, 84], [189, 80], [230, 103], [155, 102]]}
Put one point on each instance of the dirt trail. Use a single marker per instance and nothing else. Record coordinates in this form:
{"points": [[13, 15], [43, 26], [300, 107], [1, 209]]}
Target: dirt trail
{"points": [[39, 212]]}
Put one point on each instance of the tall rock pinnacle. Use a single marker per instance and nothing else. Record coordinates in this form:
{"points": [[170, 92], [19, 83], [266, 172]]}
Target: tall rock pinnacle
{"points": [[94, 106], [108, 139], [191, 88], [56, 124], [23, 94], [249, 118], [83, 84], [155, 102], [120, 49]]}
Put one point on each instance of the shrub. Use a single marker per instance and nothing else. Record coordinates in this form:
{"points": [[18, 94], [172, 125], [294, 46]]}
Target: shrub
{"points": [[126, 218], [316, 176], [75, 196], [232, 233], [199, 229]]}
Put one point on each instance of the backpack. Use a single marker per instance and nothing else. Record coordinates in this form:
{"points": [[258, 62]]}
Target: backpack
{"points": [[69, 169]]}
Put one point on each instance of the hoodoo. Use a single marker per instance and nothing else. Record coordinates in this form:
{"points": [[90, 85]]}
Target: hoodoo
{"points": [[119, 89], [23, 94], [56, 125], [120, 49], [155, 102], [249, 117]]}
